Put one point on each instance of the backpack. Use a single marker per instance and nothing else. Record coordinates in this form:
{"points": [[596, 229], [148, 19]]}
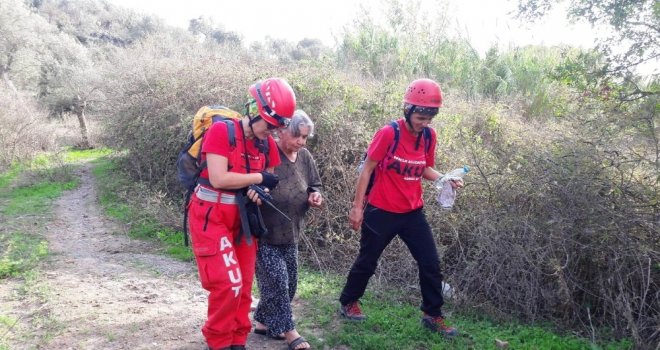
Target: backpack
{"points": [[188, 163], [390, 153]]}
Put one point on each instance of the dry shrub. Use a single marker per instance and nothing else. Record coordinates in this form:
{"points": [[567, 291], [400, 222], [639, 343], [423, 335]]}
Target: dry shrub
{"points": [[154, 100], [556, 223], [25, 128]]}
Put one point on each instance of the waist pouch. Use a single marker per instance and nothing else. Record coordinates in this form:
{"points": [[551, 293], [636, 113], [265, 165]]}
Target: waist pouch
{"points": [[252, 222]]}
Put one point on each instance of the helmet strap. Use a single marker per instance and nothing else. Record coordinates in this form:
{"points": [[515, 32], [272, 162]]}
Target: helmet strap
{"points": [[408, 113], [252, 121]]}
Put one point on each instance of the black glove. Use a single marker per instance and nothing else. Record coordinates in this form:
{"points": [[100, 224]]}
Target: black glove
{"points": [[270, 180]]}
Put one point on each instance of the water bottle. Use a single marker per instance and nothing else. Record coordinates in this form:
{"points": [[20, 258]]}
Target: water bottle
{"points": [[446, 193]]}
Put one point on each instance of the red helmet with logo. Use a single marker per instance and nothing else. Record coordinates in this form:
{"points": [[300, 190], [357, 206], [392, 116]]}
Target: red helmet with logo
{"points": [[423, 93], [275, 100]]}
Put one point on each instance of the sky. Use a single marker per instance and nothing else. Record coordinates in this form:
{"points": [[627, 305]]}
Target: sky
{"points": [[484, 22]]}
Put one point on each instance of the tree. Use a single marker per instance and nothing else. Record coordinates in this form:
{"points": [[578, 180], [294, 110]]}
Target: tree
{"points": [[21, 33], [206, 27], [633, 40], [309, 49], [97, 22]]}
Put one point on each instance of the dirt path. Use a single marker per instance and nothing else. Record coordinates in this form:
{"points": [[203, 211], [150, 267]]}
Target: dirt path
{"points": [[104, 290]]}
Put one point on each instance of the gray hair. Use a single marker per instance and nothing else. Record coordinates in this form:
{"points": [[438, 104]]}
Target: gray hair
{"points": [[300, 119]]}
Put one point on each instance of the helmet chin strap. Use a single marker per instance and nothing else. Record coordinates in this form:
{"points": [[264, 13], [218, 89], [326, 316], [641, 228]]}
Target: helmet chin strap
{"points": [[408, 115], [252, 121]]}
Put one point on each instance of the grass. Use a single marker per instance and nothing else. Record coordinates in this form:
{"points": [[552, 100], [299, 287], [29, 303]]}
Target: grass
{"points": [[114, 188], [34, 199], [396, 325], [74, 155], [7, 177], [20, 252]]}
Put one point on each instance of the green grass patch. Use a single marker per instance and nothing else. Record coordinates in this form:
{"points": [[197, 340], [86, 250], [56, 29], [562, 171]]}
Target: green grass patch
{"points": [[20, 252], [6, 324], [114, 189], [393, 324], [74, 155], [34, 199], [7, 177]]}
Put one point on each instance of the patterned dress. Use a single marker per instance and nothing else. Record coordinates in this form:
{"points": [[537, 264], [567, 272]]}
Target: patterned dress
{"points": [[277, 256]]}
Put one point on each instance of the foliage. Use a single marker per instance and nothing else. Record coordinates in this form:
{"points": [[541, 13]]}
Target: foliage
{"points": [[97, 23], [205, 26], [631, 42], [554, 210], [21, 35], [398, 46], [23, 133]]}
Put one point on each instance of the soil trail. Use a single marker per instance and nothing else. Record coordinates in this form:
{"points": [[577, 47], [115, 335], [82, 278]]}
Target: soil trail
{"points": [[108, 291]]}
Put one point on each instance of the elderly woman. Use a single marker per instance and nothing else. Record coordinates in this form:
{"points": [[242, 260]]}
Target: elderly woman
{"points": [[277, 265]]}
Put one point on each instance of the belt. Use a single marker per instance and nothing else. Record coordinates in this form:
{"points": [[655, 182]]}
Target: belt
{"points": [[209, 195]]}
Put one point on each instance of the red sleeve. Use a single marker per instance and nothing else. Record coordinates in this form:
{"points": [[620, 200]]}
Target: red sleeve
{"points": [[381, 143], [430, 155], [273, 154], [216, 140]]}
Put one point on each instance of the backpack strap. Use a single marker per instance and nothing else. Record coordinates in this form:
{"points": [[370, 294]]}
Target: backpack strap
{"points": [[395, 142], [264, 148], [427, 139], [426, 134], [231, 130]]}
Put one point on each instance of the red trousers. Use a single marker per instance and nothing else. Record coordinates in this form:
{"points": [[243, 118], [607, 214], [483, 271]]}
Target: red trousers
{"points": [[226, 270]]}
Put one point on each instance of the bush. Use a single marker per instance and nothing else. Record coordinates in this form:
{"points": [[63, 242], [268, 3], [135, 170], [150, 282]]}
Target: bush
{"points": [[558, 220], [24, 131]]}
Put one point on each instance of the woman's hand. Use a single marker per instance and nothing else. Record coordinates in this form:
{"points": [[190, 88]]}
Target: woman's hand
{"points": [[355, 217], [315, 199], [254, 196]]}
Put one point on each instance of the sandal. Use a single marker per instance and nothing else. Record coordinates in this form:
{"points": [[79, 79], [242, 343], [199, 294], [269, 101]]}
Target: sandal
{"points": [[292, 345], [265, 332]]}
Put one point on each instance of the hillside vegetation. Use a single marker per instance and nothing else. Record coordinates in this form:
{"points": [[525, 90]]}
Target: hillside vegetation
{"points": [[560, 215]]}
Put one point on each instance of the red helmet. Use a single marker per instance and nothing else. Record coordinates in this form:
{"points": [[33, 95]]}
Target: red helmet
{"points": [[423, 92], [275, 100]]}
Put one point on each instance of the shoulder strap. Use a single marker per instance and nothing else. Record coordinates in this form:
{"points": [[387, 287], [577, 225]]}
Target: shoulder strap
{"points": [[231, 130], [427, 139], [395, 142], [264, 147]]}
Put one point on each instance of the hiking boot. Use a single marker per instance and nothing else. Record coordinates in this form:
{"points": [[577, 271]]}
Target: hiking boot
{"points": [[437, 324], [352, 311]]}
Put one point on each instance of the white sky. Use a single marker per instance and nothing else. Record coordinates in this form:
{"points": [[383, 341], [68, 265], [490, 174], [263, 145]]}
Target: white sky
{"points": [[485, 22]]}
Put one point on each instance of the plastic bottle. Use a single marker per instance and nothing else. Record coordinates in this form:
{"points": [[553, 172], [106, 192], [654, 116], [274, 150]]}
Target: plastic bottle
{"points": [[447, 194]]}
